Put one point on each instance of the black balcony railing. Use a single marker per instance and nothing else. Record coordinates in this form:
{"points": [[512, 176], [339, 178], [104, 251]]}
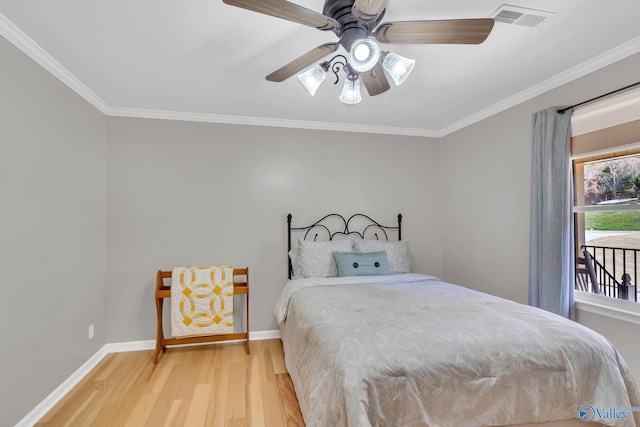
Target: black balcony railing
{"points": [[616, 270]]}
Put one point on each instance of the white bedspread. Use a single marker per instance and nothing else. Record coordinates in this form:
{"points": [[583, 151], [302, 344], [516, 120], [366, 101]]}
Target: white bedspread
{"points": [[410, 350]]}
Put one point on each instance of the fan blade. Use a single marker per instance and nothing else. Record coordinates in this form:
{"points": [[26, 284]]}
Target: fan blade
{"points": [[368, 10], [375, 80], [302, 62], [286, 10], [456, 31]]}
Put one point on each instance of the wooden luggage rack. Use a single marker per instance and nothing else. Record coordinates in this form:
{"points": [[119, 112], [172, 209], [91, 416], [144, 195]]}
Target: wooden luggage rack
{"points": [[163, 291]]}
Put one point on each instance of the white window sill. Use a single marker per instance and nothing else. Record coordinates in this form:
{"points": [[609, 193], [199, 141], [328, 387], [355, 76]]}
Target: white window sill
{"points": [[606, 306]]}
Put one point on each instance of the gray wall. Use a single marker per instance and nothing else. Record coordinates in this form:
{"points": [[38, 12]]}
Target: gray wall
{"points": [[200, 194], [486, 179], [52, 232]]}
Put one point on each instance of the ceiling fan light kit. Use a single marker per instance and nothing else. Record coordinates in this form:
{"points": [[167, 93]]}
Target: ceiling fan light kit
{"points": [[313, 77], [398, 67], [365, 54], [355, 22], [351, 90]]}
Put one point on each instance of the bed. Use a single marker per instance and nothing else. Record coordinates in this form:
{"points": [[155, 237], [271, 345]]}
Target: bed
{"points": [[393, 348]]}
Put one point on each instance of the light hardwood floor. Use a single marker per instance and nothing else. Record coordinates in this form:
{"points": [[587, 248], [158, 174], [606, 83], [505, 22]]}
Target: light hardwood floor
{"points": [[208, 385]]}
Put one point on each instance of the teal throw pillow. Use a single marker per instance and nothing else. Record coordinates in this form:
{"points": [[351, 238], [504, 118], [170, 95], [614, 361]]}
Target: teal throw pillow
{"points": [[362, 264]]}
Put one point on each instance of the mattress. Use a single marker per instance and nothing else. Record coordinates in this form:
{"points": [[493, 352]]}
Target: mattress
{"points": [[411, 350]]}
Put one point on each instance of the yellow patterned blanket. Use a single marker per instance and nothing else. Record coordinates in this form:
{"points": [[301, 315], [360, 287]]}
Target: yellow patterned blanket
{"points": [[201, 301]]}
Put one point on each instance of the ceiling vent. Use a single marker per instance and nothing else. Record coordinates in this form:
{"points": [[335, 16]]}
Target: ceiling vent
{"points": [[515, 15]]}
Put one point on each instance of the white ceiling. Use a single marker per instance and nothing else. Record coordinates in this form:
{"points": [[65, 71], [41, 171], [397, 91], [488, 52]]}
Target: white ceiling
{"points": [[204, 60]]}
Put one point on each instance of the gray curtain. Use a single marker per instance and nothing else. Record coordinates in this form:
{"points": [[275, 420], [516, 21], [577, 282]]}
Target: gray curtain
{"points": [[551, 254]]}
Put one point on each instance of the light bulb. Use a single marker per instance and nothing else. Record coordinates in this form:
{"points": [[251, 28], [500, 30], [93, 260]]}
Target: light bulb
{"points": [[365, 54], [361, 52]]}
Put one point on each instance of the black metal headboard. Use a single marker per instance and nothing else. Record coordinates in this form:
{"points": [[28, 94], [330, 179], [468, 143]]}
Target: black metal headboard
{"points": [[333, 225]]}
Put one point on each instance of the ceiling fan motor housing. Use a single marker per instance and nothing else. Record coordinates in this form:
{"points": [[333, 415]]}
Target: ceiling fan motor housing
{"points": [[351, 28]]}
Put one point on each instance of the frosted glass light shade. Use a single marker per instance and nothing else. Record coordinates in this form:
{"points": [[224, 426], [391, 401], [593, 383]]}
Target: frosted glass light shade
{"points": [[312, 78], [351, 92], [364, 55], [397, 67]]}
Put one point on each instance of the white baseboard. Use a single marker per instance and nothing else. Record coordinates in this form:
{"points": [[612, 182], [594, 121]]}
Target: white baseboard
{"points": [[50, 401], [264, 335]]}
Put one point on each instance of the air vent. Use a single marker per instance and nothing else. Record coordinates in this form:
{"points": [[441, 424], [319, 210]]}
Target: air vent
{"points": [[508, 14]]}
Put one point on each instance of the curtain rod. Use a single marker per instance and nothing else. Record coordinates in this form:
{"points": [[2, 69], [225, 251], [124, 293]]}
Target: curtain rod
{"points": [[598, 97]]}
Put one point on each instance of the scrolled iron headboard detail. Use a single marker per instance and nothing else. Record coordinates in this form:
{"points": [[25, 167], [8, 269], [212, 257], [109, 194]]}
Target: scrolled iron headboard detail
{"points": [[360, 224]]}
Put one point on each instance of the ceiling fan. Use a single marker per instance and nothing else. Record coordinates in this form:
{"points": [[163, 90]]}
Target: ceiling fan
{"points": [[357, 25]]}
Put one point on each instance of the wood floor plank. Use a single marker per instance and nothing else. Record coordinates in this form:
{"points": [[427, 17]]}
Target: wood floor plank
{"points": [[208, 359], [269, 374], [127, 404], [220, 394], [289, 401], [256, 403], [177, 387], [141, 412], [126, 380], [103, 417], [172, 414], [68, 409], [112, 362], [199, 406], [161, 372], [211, 385], [76, 418], [277, 357], [236, 391], [273, 411], [240, 422]]}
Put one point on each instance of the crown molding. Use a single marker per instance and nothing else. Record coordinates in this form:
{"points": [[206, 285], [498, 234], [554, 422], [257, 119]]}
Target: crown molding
{"points": [[269, 122], [616, 54], [38, 54], [23, 42]]}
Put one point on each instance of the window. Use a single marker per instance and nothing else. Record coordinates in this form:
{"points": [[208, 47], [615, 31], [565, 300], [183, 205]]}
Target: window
{"points": [[606, 165], [607, 218]]}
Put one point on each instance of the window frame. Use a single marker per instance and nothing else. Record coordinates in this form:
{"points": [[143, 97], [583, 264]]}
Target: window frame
{"points": [[600, 304]]}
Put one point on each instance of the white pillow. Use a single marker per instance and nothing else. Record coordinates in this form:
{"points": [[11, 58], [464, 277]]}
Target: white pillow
{"points": [[397, 252], [293, 256], [315, 259]]}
